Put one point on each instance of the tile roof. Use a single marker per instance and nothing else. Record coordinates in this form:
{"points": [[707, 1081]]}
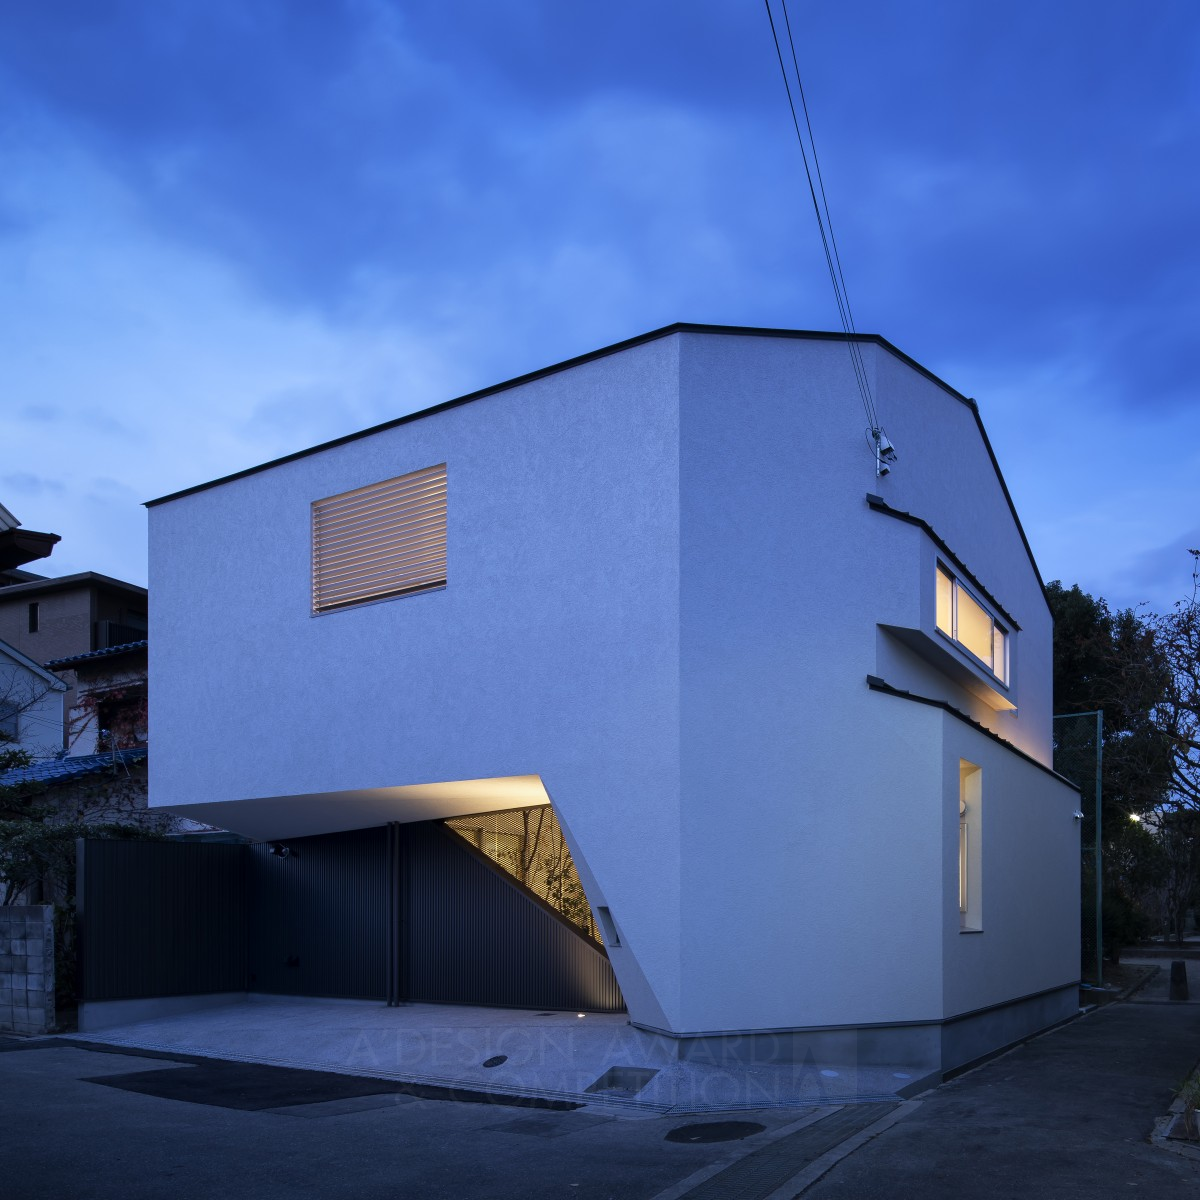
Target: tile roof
{"points": [[91, 654], [57, 770]]}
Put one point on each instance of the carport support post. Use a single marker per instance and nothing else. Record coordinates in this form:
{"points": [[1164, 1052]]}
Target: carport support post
{"points": [[395, 923]]}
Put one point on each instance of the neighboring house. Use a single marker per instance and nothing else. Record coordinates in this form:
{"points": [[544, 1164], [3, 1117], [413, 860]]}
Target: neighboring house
{"points": [[110, 709], [31, 705], [53, 619], [20, 546], [794, 718]]}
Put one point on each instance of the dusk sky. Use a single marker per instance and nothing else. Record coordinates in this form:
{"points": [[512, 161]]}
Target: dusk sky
{"points": [[232, 229]]}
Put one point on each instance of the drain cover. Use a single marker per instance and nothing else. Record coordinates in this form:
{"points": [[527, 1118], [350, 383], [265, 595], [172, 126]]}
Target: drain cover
{"points": [[495, 1060], [715, 1131]]}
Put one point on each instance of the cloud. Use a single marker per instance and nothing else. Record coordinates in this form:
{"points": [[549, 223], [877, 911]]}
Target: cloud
{"points": [[229, 230], [25, 483]]}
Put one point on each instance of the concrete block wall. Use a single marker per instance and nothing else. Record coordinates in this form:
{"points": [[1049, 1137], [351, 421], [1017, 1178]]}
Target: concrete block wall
{"points": [[27, 968]]}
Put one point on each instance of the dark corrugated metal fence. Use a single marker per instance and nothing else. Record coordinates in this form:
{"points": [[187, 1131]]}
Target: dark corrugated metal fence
{"points": [[406, 911], [319, 916], [160, 919]]}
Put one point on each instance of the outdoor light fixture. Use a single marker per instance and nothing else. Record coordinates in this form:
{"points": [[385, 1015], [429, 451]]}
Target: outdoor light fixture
{"points": [[280, 850], [580, 1015], [1078, 815], [1136, 818]]}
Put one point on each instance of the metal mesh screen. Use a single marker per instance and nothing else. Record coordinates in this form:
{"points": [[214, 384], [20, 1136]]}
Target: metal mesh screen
{"points": [[1078, 755], [528, 844]]}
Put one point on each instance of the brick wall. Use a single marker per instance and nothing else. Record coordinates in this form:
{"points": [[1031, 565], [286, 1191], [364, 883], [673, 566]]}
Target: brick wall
{"points": [[26, 968]]}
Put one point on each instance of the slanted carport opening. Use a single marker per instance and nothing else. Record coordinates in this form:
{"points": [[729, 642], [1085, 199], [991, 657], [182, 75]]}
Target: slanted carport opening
{"points": [[480, 908]]}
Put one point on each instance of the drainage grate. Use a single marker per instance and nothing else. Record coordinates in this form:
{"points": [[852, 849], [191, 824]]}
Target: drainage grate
{"points": [[496, 1060]]}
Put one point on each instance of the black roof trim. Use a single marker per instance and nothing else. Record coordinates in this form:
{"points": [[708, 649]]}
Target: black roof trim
{"points": [[58, 583], [566, 364], [880, 505], [880, 685], [1012, 508]]}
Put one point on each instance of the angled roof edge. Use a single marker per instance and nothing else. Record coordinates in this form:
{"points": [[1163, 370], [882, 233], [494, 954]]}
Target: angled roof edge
{"points": [[57, 583], [25, 661], [616, 348], [541, 373]]}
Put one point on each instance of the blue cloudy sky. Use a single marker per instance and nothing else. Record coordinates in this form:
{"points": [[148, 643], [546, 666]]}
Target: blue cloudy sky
{"points": [[234, 228]]}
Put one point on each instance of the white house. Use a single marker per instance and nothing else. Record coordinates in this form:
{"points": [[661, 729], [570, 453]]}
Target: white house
{"points": [[31, 705], [793, 716]]}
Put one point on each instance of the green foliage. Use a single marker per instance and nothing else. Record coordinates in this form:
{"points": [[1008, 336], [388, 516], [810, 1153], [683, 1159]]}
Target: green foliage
{"points": [[38, 848], [1178, 713], [1114, 662], [12, 758]]}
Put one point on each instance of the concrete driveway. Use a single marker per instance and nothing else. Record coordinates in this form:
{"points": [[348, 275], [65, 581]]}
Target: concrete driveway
{"points": [[1066, 1115]]}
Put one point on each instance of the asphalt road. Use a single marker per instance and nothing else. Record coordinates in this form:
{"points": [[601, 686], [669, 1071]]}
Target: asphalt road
{"points": [[1066, 1115]]}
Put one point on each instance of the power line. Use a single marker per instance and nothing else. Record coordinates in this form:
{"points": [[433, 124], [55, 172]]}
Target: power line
{"points": [[824, 220]]}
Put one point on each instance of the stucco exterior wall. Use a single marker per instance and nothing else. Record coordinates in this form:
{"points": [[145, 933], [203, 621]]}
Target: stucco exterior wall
{"points": [[666, 592], [811, 799], [553, 649]]}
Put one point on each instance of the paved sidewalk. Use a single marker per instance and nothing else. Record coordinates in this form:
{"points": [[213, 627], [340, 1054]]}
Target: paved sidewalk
{"points": [[1067, 1115]]}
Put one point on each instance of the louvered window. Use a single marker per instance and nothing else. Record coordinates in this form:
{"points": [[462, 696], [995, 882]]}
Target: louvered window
{"points": [[386, 539]]}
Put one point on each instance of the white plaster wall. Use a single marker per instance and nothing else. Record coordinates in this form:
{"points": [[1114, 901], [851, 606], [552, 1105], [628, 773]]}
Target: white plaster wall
{"points": [[665, 608], [945, 476], [553, 650], [1030, 878], [812, 834]]}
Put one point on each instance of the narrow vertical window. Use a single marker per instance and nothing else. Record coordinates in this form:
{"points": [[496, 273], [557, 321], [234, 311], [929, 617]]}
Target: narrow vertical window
{"points": [[34, 618], [386, 539], [970, 844]]}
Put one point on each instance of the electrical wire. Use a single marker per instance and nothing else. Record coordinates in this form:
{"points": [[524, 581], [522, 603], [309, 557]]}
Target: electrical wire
{"points": [[824, 221]]}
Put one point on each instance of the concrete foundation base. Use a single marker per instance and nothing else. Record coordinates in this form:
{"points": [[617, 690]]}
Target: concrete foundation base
{"points": [[925, 1048]]}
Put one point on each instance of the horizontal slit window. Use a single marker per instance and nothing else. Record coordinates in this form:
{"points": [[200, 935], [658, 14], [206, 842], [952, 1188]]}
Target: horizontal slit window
{"points": [[385, 539], [964, 620]]}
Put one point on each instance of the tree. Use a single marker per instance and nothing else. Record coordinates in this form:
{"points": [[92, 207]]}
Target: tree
{"points": [[1177, 713], [1115, 662]]}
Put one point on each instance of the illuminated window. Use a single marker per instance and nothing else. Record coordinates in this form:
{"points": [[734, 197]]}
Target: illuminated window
{"points": [[386, 539], [964, 620], [970, 836]]}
